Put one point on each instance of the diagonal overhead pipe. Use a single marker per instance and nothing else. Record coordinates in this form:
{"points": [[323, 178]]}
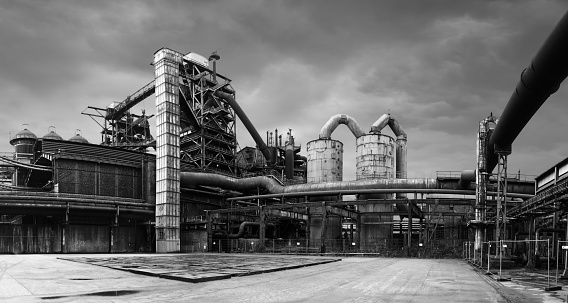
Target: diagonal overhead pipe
{"points": [[542, 78], [249, 126], [334, 121]]}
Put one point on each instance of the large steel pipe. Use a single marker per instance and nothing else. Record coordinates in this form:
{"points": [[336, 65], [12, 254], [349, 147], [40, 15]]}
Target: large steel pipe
{"points": [[249, 126], [538, 81], [189, 179], [271, 185], [334, 121]]}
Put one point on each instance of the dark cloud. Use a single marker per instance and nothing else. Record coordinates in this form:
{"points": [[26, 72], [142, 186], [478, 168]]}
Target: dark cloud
{"points": [[438, 67]]}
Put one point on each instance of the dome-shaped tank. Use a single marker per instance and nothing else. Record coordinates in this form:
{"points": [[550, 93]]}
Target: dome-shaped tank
{"points": [[78, 138], [24, 134], [375, 157], [325, 161], [23, 143], [52, 135]]}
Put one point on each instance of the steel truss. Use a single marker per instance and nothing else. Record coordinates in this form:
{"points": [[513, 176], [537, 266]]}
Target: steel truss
{"points": [[208, 128]]}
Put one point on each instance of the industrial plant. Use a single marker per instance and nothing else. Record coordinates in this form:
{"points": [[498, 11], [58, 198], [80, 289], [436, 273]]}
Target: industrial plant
{"points": [[186, 186]]}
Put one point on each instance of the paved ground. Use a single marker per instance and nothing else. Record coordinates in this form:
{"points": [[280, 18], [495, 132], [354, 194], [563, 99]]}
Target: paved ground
{"points": [[534, 281], [45, 278]]}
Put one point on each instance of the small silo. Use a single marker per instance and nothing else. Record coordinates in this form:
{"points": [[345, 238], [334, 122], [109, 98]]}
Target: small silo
{"points": [[375, 157], [325, 161], [23, 143]]}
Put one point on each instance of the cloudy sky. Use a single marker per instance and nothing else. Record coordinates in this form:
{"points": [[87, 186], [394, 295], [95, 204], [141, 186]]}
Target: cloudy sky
{"points": [[438, 66]]}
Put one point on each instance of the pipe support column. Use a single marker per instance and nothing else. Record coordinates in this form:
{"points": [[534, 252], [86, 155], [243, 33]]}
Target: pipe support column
{"points": [[323, 227], [262, 230]]}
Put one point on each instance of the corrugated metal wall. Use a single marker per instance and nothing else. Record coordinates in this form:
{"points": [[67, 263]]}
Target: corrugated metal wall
{"points": [[91, 178], [20, 239]]}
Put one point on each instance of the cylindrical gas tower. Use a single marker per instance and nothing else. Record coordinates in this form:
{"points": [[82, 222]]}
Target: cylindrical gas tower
{"points": [[375, 157], [325, 161], [375, 160], [23, 143]]}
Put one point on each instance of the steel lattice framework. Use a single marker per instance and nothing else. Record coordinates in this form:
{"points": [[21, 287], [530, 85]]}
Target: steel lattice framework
{"points": [[208, 134]]}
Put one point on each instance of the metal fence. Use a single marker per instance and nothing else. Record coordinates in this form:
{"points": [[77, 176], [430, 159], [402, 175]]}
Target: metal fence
{"points": [[495, 258], [447, 249]]}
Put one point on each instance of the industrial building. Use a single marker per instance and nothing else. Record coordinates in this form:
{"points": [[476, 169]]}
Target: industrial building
{"points": [[184, 186], [187, 188]]}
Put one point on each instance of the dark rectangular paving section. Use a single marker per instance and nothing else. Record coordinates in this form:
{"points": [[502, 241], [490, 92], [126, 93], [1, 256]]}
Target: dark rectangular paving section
{"points": [[197, 268]]}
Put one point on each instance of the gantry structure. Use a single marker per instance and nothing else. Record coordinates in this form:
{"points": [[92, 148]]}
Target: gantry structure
{"points": [[208, 129]]}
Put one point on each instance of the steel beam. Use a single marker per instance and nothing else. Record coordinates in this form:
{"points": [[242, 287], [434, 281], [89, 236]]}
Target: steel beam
{"points": [[287, 214], [342, 212]]}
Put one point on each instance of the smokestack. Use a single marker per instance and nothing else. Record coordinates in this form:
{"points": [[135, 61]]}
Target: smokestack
{"points": [[214, 57]]}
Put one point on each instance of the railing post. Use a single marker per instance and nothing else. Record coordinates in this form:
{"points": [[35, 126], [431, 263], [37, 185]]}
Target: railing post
{"points": [[557, 262], [500, 258], [488, 256], [548, 259]]}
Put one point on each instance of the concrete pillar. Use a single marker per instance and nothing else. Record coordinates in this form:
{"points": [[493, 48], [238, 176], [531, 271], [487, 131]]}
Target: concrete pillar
{"points": [[166, 63], [64, 228], [323, 227], [112, 231], [63, 239]]}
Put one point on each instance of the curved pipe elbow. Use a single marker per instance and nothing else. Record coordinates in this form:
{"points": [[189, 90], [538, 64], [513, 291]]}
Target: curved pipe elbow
{"points": [[466, 177], [334, 121], [391, 121], [241, 231], [191, 179], [397, 129]]}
